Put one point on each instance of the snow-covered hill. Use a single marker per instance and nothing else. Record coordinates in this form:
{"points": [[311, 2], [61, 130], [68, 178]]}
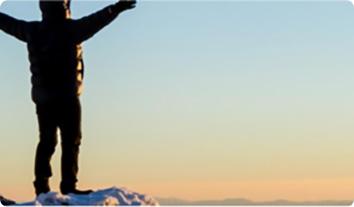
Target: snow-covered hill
{"points": [[111, 196]]}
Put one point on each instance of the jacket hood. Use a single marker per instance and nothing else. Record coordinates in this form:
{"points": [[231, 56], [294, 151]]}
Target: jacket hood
{"points": [[55, 10]]}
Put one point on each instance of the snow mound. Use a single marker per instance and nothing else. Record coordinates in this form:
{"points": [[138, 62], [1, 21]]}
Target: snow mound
{"points": [[111, 197]]}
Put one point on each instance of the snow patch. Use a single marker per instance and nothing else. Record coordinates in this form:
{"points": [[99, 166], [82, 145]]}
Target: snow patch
{"points": [[111, 197]]}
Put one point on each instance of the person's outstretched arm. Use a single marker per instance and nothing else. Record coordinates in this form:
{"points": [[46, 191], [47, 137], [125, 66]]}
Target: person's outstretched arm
{"points": [[88, 26], [13, 27]]}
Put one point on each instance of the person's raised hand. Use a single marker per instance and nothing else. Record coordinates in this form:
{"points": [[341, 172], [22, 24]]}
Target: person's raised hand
{"points": [[126, 4]]}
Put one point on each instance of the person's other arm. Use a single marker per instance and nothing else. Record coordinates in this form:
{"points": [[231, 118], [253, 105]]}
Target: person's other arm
{"points": [[88, 26], [13, 27]]}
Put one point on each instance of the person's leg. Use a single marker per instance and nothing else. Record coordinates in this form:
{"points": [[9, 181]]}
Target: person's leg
{"points": [[70, 127], [45, 148]]}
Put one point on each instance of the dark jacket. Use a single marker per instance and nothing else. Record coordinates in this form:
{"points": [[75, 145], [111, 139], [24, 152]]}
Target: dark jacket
{"points": [[55, 52]]}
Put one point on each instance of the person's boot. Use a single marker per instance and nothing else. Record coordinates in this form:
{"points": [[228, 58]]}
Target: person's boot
{"points": [[41, 186], [66, 189]]}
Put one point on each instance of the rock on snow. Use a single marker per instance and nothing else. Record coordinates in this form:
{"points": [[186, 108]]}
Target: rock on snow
{"points": [[111, 196], [4, 201]]}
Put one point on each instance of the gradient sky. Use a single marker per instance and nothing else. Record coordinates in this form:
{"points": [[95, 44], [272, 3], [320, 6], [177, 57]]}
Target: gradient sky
{"points": [[201, 100]]}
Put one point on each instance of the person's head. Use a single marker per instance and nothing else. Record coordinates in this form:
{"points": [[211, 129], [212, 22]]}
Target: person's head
{"points": [[55, 9]]}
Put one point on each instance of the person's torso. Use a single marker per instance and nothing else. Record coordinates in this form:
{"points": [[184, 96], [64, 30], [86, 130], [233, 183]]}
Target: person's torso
{"points": [[56, 62]]}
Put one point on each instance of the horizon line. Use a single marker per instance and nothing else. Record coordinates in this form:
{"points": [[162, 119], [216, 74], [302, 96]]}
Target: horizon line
{"points": [[242, 201]]}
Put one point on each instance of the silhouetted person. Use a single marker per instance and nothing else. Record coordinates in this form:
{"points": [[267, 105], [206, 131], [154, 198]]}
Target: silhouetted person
{"points": [[57, 69]]}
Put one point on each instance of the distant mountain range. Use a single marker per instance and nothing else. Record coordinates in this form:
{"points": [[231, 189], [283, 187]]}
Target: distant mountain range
{"points": [[241, 201]]}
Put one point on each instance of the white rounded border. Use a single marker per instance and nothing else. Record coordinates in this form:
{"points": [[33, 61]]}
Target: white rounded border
{"points": [[2, 1]]}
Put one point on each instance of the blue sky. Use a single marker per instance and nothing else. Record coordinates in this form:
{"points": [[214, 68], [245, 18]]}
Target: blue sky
{"points": [[231, 91]]}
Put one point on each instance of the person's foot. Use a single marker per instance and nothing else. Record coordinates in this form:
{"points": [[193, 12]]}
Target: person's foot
{"points": [[70, 187], [76, 191], [41, 186]]}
